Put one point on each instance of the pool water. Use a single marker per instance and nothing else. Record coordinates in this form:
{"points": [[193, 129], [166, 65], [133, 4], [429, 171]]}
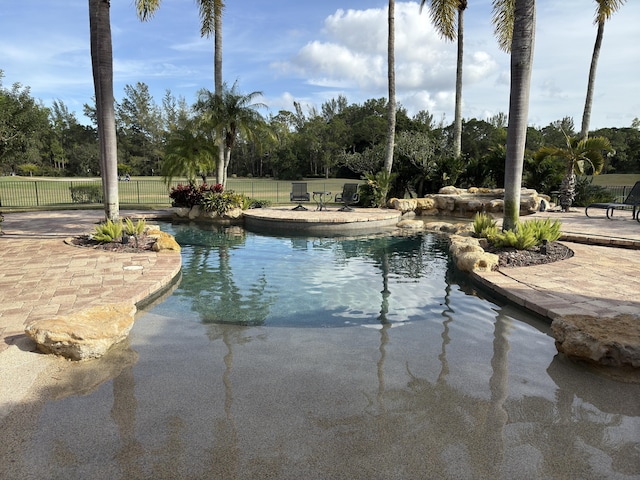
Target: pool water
{"points": [[329, 358], [238, 277]]}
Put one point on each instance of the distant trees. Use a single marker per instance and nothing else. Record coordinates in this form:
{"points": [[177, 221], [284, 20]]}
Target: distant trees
{"points": [[177, 140], [23, 128]]}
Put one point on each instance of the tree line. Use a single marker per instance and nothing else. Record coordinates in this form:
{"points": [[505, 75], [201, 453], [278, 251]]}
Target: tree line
{"points": [[340, 139]]}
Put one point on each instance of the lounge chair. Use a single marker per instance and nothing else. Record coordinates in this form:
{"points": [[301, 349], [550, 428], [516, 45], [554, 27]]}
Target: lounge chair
{"points": [[348, 197], [299, 194], [631, 202]]}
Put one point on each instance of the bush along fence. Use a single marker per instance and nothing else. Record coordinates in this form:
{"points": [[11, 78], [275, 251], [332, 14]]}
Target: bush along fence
{"points": [[78, 193]]}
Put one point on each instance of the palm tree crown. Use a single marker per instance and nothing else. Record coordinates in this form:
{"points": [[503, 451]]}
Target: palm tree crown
{"points": [[230, 114], [579, 155]]}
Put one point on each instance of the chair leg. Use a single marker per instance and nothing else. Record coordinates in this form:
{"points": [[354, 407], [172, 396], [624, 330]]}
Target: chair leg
{"points": [[300, 207]]}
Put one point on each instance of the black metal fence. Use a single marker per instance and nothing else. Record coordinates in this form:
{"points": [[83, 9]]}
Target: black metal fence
{"points": [[60, 193]]}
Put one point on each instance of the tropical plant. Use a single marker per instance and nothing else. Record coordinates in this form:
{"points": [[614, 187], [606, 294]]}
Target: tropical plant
{"points": [[529, 233], [108, 231], [189, 152], [604, 10], [579, 155], [102, 65], [230, 114], [380, 184], [514, 22], [443, 16], [134, 229], [223, 202], [484, 225], [587, 193], [191, 194]]}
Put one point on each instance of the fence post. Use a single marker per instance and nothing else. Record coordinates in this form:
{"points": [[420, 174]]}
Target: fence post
{"points": [[35, 186]]}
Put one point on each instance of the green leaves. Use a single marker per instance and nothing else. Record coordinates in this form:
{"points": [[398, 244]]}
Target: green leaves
{"points": [[528, 234], [108, 231]]}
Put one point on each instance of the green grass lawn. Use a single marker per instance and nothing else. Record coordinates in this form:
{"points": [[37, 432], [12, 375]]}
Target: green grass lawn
{"points": [[152, 191], [616, 179]]}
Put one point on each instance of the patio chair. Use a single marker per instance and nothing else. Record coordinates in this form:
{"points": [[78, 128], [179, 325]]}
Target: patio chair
{"points": [[299, 194], [348, 197], [631, 202]]}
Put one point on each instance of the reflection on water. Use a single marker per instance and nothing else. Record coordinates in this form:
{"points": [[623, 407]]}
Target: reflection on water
{"points": [[443, 384], [238, 277]]}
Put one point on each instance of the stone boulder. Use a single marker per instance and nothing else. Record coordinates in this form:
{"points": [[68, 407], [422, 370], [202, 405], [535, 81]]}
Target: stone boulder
{"points": [[613, 341], [411, 224], [469, 254], [451, 201], [164, 242], [88, 333]]}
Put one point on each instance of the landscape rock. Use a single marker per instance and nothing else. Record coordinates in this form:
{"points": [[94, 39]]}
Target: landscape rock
{"points": [[470, 256], [613, 341], [164, 242], [467, 202], [88, 333], [411, 224]]}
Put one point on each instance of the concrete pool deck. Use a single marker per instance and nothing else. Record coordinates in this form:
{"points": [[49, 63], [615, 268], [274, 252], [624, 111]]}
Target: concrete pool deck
{"points": [[42, 276]]}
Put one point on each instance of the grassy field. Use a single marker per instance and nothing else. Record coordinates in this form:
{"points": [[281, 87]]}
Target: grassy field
{"points": [[29, 192], [616, 179], [26, 192]]}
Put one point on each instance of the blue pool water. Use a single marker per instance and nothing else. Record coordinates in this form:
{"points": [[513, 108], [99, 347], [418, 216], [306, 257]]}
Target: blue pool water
{"points": [[238, 277]]}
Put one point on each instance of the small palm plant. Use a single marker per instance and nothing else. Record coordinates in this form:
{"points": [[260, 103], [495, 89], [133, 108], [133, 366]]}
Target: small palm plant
{"points": [[108, 231], [578, 155]]}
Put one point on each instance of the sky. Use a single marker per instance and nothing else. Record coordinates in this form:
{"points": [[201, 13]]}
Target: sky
{"points": [[313, 51]]}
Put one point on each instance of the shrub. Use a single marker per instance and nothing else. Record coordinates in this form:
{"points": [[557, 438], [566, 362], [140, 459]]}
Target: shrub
{"points": [[528, 234], [253, 203], [108, 231], [545, 230], [191, 194], [134, 229], [86, 194], [587, 193], [484, 223], [221, 203]]}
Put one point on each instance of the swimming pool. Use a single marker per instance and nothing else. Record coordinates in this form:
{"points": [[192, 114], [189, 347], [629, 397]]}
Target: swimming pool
{"points": [[355, 358]]}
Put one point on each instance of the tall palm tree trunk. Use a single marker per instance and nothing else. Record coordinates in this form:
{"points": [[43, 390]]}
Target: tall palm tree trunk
{"points": [[521, 66], [457, 119], [217, 76], [586, 115], [102, 66], [391, 112]]}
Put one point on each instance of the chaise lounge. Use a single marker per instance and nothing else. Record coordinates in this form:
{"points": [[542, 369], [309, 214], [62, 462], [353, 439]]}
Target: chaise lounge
{"points": [[631, 202]]}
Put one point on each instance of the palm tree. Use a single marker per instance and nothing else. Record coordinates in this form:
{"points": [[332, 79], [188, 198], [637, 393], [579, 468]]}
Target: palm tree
{"points": [[443, 16], [515, 22], [578, 154], [605, 9], [211, 23], [391, 108], [229, 115], [190, 153], [102, 66]]}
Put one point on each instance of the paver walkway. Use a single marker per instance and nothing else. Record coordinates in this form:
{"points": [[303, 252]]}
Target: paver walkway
{"points": [[598, 280]]}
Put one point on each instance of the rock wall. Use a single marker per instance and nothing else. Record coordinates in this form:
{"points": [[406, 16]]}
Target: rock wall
{"points": [[451, 201]]}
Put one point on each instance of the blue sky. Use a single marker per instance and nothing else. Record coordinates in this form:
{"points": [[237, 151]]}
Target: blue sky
{"points": [[311, 52]]}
